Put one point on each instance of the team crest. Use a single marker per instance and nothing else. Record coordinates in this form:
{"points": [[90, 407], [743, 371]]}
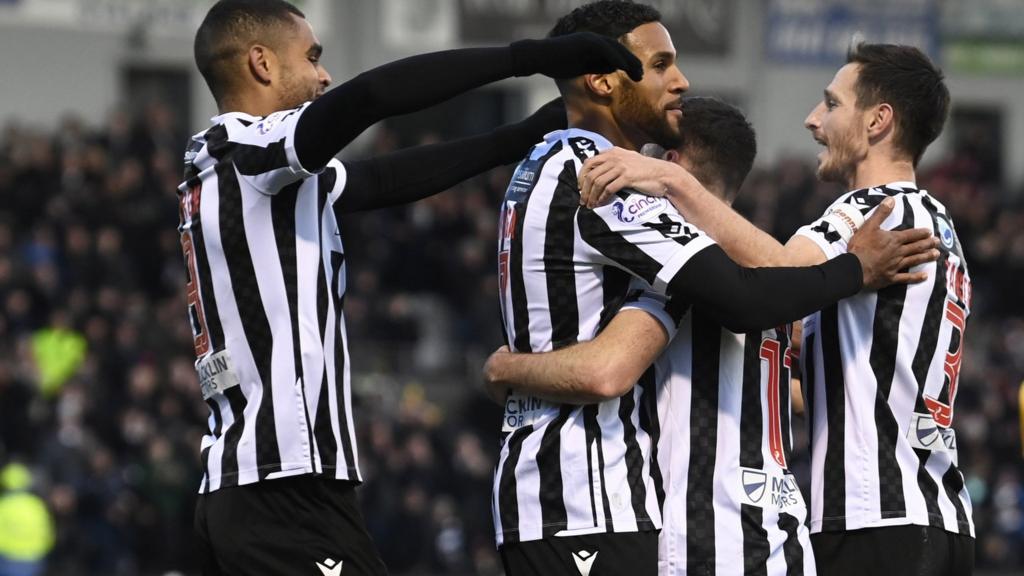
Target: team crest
{"points": [[753, 484], [946, 235]]}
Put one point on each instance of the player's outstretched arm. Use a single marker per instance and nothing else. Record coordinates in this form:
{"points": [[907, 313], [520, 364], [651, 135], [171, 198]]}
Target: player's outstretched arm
{"points": [[600, 369], [616, 169], [409, 175], [411, 84]]}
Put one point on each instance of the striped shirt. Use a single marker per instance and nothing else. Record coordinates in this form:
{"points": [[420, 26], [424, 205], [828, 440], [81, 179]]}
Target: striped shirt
{"points": [[563, 273], [265, 284], [732, 506], [881, 371]]}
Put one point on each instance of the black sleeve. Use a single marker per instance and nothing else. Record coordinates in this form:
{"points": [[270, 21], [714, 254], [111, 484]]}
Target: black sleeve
{"points": [[336, 118], [415, 173], [748, 299]]}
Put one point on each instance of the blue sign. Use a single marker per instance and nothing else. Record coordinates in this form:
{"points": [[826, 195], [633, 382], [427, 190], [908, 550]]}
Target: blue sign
{"points": [[821, 31]]}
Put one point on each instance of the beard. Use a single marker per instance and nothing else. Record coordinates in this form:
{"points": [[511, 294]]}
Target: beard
{"points": [[296, 91], [647, 118], [840, 163]]}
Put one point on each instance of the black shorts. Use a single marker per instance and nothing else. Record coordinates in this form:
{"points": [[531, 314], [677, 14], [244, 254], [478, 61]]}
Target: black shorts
{"points": [[894, 551], [615, 554], [284, 527]]}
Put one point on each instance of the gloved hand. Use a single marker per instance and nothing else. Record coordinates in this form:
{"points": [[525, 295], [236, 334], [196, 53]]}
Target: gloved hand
{"points": [[574, 55], [515, 139]]}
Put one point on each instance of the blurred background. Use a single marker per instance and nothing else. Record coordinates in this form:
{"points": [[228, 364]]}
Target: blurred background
{"points": [[100, 416]]}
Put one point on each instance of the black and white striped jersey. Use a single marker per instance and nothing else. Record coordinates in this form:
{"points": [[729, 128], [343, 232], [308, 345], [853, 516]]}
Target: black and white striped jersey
{"points": [[732, 506], [265, 284], [563, 273], [881, 371]]}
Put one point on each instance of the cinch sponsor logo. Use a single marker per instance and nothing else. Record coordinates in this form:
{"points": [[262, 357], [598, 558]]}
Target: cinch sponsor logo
{"points": [[637, 207]]}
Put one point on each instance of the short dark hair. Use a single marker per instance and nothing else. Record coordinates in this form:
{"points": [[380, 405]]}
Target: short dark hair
{"points": [[904, 78], [718, 141], [231, 27], [611, 18]]}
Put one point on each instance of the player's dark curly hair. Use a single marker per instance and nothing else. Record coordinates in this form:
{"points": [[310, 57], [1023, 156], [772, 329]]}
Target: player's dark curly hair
{"points": [[229, 29], [718, 140], [904, 78], [611, 18]]}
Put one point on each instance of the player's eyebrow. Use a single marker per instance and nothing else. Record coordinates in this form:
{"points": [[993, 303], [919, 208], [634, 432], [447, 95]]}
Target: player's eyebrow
{"points": [[830, 95], [315, 50], [664, 54]]}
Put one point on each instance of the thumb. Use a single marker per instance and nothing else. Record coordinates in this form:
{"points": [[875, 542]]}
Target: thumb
{"points": [[880, 213]]}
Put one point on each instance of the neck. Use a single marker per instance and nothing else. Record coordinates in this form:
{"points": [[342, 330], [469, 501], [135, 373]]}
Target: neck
{"points": [[599, 120], [254, 105], [877, 171]]}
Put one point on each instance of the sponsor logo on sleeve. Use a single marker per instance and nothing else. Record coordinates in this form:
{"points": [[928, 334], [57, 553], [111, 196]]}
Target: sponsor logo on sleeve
{"points": [[216, 374], [637, 207], [521, 410]]}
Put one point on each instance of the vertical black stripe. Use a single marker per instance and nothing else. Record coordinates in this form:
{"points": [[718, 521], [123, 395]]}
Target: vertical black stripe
{"points": [[929, 489], [953, 483], [593, 429], [834, 489], [700, 512], [559, 269], [549, 471], [282, 215], [252, 314], [751, 420], [634, 461], [884, 344], [517, 282], [323, 427], [650, 423], [508, 497], [792, 550], [337, 266], [229, 458], [615, 286], [755, 540]]}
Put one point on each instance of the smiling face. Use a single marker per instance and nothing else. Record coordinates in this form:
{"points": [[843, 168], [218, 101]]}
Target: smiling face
{"points": [[652, 106], [838, 124], [301, 77]]}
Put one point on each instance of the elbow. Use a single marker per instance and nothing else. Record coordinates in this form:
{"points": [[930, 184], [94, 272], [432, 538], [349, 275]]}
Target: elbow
{"points": [[607, 382]]}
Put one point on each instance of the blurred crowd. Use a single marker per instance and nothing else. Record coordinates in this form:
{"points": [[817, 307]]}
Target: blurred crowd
{"points": [[98, 396]]}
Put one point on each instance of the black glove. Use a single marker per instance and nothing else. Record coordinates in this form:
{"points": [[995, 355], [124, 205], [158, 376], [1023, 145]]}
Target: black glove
{"points": [[574, 55], [515, 139]]}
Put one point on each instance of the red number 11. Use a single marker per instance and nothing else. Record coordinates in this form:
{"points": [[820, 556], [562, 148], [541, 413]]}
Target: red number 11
{"points": [[771, 352]]}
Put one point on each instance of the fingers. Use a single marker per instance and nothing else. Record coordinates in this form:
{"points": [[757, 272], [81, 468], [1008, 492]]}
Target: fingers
{"points": [[916, 235], [909, 277], [918, 259], [880, 214], [925, 245], [597, 182]]}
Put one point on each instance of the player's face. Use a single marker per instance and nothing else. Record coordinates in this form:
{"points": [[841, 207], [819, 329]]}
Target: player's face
{"points": [[652, 106], [841, 127], [302, 78]]}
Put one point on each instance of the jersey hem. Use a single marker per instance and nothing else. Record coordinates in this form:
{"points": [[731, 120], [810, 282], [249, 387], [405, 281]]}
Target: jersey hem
{"points": [[284, 472]]}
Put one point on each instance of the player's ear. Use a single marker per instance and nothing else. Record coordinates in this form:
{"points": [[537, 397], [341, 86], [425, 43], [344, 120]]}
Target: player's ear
{"points": [[880, 120], [261, 63], [601, 85], [671, 155]]}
